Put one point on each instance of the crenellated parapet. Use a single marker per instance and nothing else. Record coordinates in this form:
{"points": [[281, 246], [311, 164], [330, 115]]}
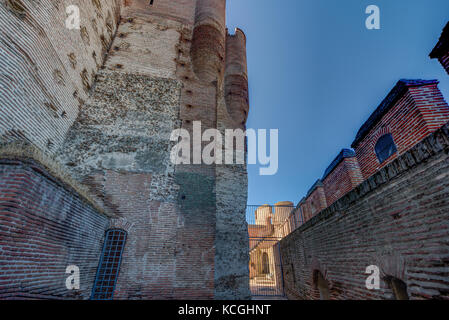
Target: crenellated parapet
{"points": [[208, 43], [236, 77]]}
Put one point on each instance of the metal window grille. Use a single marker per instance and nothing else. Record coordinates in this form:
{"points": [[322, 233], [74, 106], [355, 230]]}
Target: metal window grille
{"points": [[109, 266]]}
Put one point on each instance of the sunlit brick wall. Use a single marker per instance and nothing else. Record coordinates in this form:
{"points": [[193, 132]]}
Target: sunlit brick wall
{"points": [[342, 179], [419, 112], [396, 220]]}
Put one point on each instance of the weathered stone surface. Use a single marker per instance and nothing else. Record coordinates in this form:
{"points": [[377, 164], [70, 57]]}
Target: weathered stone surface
{"points": [[48, 69], [187, 235]]}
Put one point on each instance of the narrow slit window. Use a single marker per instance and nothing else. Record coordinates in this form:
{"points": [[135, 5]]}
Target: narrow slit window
{"points": [[151, 2], [109, 266], [385, 147]]}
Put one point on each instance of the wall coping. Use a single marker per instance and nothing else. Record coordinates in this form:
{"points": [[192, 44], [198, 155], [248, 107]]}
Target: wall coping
{"points": [[27, 153], [390, 100], [316, 185], [344, 153], [432, 145]]}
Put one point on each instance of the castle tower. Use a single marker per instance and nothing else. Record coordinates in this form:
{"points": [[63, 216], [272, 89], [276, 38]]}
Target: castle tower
{"points": [[104, 101], [208, 43], [236, 78]]}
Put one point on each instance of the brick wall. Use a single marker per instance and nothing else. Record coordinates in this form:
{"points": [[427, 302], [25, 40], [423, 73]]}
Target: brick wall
{"points": [[179, 246], [187, 235], [45, 227], [397, 220], [47, 69], [180, 10], [315, 200], [418, 111], [341, 176], [338, 183]]}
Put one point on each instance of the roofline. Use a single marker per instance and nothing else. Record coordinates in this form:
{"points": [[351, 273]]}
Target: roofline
{"points": [[344, 154], [442, 45], [393, 96]]}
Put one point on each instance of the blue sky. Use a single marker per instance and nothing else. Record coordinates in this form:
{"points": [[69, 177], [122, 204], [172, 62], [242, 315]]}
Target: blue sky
{"points": [[316, 74]]}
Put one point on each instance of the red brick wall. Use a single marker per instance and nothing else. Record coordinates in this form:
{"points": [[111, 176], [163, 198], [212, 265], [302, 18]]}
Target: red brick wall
{"points": [[169, 251], [396, 220], [314, 203], [49, 68], [44, 227], [342, 179], [419, 112]]}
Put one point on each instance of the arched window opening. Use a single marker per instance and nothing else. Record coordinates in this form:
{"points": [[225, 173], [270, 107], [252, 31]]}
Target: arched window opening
{"points": [[265, 263], [398, 287], [109, 266], [385, 147], [321, 284]]}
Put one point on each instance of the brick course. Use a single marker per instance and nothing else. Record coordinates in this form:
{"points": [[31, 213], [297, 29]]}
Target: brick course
{"points": [[343, 179], [47, 69], [396, 219], [419, 111], [45, 227]]}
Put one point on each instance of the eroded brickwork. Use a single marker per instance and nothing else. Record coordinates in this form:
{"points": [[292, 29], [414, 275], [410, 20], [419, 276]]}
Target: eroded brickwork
{"points": [[45, 226], [397, 220], [342, 179], [47, 69], [420, 110], [187, 236], [315, 201]]}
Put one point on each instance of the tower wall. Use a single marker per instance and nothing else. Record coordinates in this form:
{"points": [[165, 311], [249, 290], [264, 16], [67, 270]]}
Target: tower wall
{"points": [[208, 43], [236, 78], [185, 240], [179, 10], [48, 69]]}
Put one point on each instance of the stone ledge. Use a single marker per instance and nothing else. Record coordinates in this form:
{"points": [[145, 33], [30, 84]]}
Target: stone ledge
{"points": [[29, 154], [434, 144]]}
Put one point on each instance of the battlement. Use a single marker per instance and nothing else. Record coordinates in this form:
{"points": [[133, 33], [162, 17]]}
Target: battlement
{"points": [[410, 112]]}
